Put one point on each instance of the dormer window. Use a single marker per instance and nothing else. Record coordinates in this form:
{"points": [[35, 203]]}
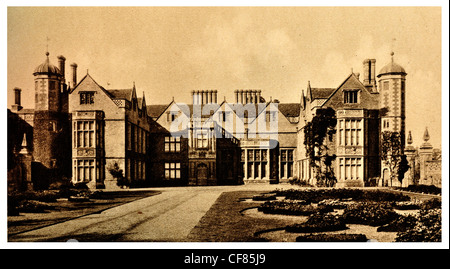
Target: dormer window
{"points": [[351, 97], [86, 98]]}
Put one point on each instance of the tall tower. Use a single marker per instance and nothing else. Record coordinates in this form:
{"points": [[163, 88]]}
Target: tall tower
{"points": [[391, 83], [51, 124]]}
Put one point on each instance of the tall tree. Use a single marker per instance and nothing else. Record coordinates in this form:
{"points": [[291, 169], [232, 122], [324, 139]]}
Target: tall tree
{"points": [[393, 156], [321, 128]]}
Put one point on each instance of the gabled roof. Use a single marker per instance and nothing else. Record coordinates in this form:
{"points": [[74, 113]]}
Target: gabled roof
{"points": [[125, 94], [155, 111], [289, 109], [87, 76], [321, 93]]}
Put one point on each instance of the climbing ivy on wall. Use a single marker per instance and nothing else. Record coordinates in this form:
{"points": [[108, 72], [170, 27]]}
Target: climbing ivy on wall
{"points": [[319, 130]]}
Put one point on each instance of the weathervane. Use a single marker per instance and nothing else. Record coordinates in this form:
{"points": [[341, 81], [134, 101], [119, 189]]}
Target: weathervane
{"points": [[48, 39]]}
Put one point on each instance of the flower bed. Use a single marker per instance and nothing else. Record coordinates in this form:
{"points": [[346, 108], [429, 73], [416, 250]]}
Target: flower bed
{"points": [[373, 214], [33, 206], [408, 205], [332, 238], [430, 189], [427, 228], [265, 197], [335, 203], [317, 195], [318, 223], [400, 224], [431, 204], [298, 208]]}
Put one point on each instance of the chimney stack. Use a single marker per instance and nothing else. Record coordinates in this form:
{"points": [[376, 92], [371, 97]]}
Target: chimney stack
{"points": [[236, 92], [74, 74], [215, 96], [369, 73], [62, 66], [258, 96], [17, 100]]}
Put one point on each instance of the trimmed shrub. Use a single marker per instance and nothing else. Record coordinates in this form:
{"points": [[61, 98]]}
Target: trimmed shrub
{"points": [[401, 224], [407, 205], [334, 203], [317, 195], [430, 189], [318, 223], [428, 228], [373, 214], [431, 204], [298, 208], [33, 206], [264, 197], [332, 238]]}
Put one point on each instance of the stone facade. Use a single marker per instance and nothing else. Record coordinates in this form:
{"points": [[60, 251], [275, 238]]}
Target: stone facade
{"points": [[206, 142], [363, 110]]}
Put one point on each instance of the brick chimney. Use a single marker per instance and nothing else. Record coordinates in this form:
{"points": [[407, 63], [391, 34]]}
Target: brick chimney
{"points": [[62, 67], [369, 73], [17, 100], [74, 74]]}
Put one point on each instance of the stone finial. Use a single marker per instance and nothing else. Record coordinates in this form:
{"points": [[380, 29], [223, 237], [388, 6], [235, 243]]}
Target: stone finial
{"points": [[426, 135], [24, 147], [410, 140]]}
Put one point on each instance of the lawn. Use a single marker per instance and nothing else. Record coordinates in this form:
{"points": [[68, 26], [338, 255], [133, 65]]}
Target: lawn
{"points": [[336, 214], [63, 209]]}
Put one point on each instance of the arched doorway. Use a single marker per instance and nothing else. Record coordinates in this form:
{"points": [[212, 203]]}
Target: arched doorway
{"points": [[386, 177], [202, 174]]}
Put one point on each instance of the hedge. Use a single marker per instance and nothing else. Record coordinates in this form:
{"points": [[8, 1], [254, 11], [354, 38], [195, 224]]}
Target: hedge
{"points": [[427, 228], [400, 224], [297, 208], [317, 195], [369, 213], [430, 189], [318, 223], [332, 238]]}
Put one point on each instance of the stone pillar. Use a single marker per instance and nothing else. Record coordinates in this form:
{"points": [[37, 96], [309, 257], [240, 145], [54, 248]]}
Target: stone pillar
{"points": [[425, 154]]}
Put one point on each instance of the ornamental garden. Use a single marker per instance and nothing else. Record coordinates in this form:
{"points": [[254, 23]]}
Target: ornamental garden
{"points": [[351, 215]]}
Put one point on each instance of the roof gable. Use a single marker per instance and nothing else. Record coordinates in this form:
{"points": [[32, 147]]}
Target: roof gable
{"points": [[367, 99], [321, 93], [121, 93]]}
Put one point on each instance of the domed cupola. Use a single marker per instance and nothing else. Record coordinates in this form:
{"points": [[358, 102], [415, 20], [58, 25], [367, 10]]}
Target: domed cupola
{"points": [[47, 68], [392, 68]]}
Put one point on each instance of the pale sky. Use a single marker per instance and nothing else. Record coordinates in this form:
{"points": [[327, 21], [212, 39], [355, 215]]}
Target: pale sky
{"points": [[170, 51]]}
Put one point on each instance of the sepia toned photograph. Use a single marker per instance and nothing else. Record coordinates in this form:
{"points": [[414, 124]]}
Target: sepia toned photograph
{"points": [[255, 124]]}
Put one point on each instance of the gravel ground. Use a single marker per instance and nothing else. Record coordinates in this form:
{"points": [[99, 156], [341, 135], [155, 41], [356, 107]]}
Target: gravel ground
{"points": [[65, 210]]}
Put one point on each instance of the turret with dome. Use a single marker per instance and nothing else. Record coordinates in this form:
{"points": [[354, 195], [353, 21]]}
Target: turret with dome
{"points": [[51, 132], [392, 84], [392, 103]]}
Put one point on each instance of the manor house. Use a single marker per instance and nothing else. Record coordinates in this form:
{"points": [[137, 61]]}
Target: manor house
{"points": [[81, 131]]}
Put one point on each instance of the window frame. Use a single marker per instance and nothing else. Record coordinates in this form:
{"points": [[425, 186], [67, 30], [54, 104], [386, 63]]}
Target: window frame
{"points": [[172, 144], [351, 96], [172, 170], [87, 97]]}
